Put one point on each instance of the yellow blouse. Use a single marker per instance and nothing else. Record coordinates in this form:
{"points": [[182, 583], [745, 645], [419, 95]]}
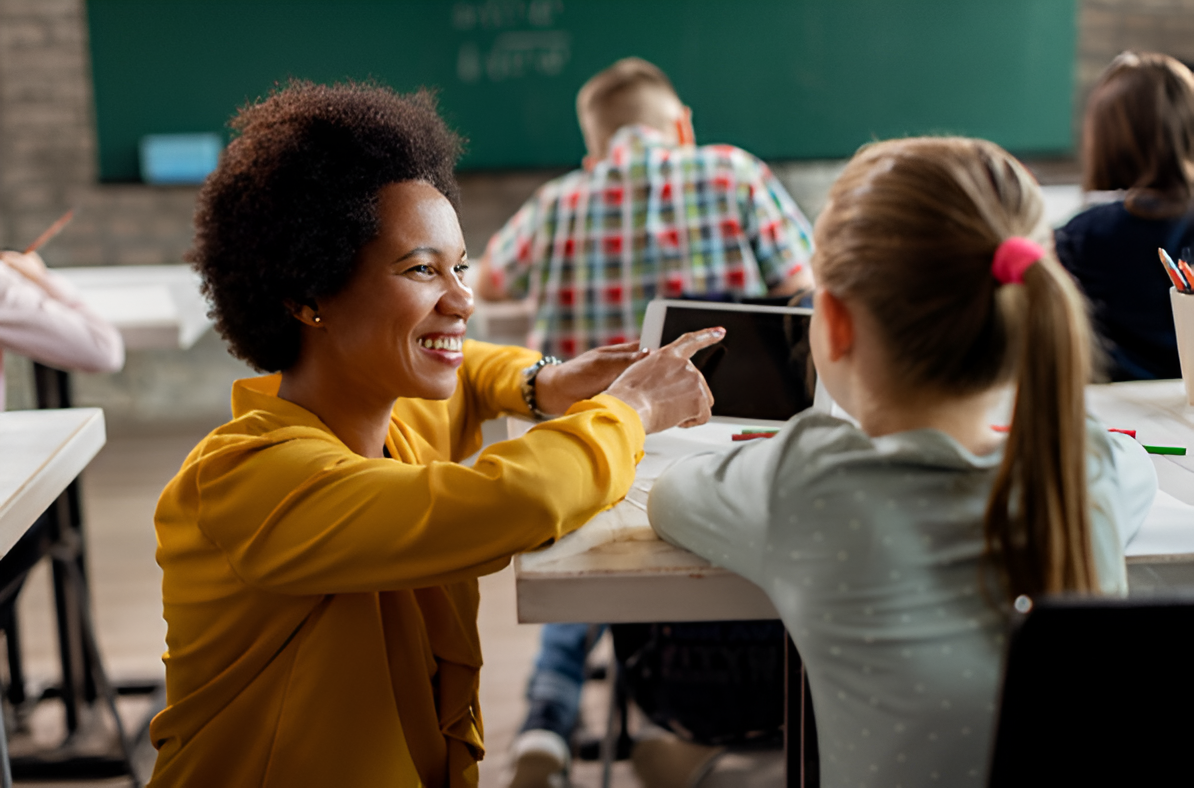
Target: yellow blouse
{"points": [[322, 607]]}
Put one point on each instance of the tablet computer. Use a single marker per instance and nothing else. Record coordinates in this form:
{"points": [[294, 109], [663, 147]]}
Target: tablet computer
{"points": [[761, 372]]}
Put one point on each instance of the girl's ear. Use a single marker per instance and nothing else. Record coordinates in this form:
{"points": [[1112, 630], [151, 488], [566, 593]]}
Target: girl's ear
{"points": [[838, 322]]}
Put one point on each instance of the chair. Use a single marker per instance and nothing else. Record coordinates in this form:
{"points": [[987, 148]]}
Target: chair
{"points": [[1098, 692]]}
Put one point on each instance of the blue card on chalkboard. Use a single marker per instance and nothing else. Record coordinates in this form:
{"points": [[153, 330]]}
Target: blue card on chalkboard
{"points": [[179, 158]]}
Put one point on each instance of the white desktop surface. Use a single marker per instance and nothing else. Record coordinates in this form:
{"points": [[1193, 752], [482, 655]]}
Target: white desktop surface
{"points": [[1158, 411], [615, 569], [153, 306], [41, 452]]}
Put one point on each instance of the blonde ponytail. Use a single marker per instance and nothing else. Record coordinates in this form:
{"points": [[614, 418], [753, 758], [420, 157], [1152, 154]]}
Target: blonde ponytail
{"points": [[1038, 516]]}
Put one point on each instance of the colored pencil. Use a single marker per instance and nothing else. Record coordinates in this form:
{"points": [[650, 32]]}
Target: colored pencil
{"points": [[50, 231], [1180, 451], [1175, 273], [1187, 272], [1169, 263]]}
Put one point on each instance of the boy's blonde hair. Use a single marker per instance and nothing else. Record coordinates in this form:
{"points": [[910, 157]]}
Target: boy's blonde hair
{"points": [[910, 231], [630, 91]]}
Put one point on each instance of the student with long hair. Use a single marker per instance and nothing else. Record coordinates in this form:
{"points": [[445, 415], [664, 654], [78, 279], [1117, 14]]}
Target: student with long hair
{"points": [[894, 546], [1138, 165]]}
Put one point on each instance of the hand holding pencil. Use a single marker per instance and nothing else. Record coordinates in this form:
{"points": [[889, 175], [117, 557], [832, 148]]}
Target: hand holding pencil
{"points": [[29, 263]]}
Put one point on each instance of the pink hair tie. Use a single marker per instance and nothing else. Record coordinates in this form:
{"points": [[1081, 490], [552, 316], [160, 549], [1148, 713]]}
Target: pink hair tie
{"points": [[1012, 259]]}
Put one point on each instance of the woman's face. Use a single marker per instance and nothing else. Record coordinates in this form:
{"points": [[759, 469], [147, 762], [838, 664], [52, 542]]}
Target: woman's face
{"points": [[399, 324]]}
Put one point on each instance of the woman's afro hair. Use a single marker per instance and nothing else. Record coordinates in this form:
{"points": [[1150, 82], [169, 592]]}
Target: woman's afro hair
{"points": [[295, 197]]}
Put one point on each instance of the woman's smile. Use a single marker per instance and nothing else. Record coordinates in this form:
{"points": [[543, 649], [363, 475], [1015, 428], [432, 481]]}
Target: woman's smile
{"points": [[446, 348]]}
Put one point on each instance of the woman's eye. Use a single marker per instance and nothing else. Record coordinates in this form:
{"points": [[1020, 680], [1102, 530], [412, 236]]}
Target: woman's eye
{"points": [[419, 269], [461, 268]]}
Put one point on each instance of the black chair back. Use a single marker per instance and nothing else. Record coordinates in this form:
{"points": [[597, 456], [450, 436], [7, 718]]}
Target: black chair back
{"points": [[1098, 692]]}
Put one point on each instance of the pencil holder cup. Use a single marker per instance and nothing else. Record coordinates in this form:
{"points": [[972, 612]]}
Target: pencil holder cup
{"points": [[1183, 322]]}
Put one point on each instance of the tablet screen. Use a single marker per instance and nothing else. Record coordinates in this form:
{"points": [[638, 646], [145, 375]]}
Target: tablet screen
{"points": [[761, 370]]}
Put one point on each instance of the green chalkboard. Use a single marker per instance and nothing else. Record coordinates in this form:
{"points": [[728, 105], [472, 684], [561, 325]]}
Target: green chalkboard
{"points": [[782, 78]]}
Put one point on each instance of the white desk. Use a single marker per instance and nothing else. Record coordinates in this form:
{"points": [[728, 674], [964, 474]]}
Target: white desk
{"points": [[153, 306], [614, 569], [42, 452]]}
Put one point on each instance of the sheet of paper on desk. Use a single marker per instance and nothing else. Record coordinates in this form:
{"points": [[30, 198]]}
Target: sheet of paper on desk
{"points": [[1168, 529], [664, 448]]}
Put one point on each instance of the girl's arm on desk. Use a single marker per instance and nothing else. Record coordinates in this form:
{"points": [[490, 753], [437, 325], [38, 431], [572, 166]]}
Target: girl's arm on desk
{"points": [[717, 503]]}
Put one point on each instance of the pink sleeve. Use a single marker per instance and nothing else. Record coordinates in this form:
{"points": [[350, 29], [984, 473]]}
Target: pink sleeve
{"points": [[50, 324]]}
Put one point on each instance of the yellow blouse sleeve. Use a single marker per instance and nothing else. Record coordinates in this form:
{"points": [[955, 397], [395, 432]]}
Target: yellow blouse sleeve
{"points": [[493, 375], [295, 512], [488, 387]]}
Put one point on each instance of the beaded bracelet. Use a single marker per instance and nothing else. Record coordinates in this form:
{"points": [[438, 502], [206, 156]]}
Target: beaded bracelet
{"points": [[528, 385]]}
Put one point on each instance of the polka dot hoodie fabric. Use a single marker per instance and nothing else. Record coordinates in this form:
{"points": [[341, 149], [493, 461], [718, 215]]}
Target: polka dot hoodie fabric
{"points": [[871, 550]]}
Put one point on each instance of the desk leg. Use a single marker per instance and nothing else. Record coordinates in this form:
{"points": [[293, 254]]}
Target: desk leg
{"points": [[53, 387], [68, 604], [802, 763], [78, 686], [5, 767]]}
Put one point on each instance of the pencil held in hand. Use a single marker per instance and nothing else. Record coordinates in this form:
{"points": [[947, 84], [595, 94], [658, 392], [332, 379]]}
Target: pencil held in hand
{"points": [[51, 231]]}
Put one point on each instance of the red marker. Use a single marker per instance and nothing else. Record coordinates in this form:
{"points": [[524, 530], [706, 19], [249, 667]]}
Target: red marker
{"points": [[1129, 433], [750, 436]]}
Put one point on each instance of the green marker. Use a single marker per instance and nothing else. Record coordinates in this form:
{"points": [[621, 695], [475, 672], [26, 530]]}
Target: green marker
{"points": [[758, 431], [1178, 450]]}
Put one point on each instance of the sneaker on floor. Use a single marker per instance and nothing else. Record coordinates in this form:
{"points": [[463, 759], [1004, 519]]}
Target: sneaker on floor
{"points": [[667, 761], [539, 759]]}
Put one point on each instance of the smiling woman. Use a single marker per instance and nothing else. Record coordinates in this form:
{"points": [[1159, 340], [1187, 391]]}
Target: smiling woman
{"points": [[320, 551]]}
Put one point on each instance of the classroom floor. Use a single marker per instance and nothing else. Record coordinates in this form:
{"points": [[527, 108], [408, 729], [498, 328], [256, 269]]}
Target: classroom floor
{"points": [[120, 490]]}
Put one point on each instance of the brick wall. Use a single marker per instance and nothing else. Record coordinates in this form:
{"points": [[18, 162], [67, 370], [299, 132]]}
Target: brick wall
{"points": [[1108, 27], [47, 150]]}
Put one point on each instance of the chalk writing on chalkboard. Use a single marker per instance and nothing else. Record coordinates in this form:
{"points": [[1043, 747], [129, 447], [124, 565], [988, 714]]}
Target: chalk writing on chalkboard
{"points": [[499, 14], [513, 53]]}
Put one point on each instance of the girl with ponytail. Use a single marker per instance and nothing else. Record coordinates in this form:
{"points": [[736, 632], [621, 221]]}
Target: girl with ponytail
{"points": [[894, 544]]}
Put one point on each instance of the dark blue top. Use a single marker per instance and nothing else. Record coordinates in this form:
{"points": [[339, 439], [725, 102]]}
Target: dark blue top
{"points": [[1113, 255]]}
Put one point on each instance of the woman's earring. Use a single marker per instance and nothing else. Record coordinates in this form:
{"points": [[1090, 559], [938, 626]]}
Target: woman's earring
{"points": [[317, 319]]}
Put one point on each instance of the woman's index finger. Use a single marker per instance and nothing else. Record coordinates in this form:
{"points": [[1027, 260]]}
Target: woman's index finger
{"points": [[687, 344]]}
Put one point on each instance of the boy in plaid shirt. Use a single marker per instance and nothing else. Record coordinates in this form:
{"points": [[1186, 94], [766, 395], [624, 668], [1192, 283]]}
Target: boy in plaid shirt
{"points": [[650, 215]]}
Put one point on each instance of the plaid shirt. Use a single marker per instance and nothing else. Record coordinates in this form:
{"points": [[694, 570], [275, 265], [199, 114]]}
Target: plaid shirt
{"points": [[649, 221]]}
